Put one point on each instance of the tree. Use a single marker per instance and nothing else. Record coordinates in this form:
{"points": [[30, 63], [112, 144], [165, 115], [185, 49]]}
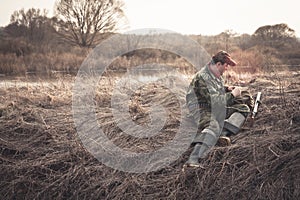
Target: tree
{"points": [[81, 22], [225, 37], [274, 35], [33, 24], [27, 22], [244, 41]]}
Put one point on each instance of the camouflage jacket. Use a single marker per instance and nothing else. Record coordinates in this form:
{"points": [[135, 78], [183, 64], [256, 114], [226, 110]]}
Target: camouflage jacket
{"points": [[206, 89]]}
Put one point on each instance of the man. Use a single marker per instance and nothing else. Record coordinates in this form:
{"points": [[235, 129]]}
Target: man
{"points": [[219, 111]]}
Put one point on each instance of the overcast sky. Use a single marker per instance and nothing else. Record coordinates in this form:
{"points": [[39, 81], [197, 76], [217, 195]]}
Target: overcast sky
{"points": [[190, 16]]}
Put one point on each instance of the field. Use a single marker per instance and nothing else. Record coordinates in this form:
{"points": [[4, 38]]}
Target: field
{"points": [[42, 156]]}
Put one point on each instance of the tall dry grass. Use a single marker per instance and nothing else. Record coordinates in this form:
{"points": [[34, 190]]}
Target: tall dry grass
{"points": [[48, 62], [40, 63]]}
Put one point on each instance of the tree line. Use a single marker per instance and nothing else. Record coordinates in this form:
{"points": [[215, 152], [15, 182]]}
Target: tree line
{"points": [[85, 23], [76, 22]]}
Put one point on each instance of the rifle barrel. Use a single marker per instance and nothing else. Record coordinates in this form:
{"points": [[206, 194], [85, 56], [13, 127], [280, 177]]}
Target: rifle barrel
{"points": [[257, 101]]}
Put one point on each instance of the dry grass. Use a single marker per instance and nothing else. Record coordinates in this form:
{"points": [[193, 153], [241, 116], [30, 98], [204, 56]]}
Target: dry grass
{"points": [[42, 158]]}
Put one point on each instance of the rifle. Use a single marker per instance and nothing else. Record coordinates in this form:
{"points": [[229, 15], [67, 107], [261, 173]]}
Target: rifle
{"points": [[256, 104]]}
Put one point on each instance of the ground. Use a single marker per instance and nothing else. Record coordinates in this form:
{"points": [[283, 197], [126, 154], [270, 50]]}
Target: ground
{"points": [[42, 158]]}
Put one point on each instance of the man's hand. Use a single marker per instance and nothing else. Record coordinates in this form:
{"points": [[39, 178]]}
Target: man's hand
{"points": [[230, 88], [236, 92]]}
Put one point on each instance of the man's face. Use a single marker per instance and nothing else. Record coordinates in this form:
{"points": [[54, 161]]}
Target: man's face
{"points": [[222, 68]]}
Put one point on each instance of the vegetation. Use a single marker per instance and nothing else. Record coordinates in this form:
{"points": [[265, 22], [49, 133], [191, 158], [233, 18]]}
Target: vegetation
{"points": [[42, 156], [83, 22], [35, 43]]}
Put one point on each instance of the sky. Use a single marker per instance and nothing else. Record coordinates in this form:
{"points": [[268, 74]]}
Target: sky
{"points": [[190, 16]]}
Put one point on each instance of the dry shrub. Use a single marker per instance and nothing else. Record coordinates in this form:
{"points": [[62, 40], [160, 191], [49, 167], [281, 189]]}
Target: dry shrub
{"points": [[256, 59], [18, 46], [148, 56], [248, 61], [40, 64], [11, 64], [251, 63]]}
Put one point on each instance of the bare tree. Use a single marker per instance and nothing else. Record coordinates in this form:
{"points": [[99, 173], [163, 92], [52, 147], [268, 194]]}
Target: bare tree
{"points": [[225, 38], [81, 22]]}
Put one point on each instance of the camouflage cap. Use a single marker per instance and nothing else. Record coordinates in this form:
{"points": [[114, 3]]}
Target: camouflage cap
{"points": [[224, 57]]}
